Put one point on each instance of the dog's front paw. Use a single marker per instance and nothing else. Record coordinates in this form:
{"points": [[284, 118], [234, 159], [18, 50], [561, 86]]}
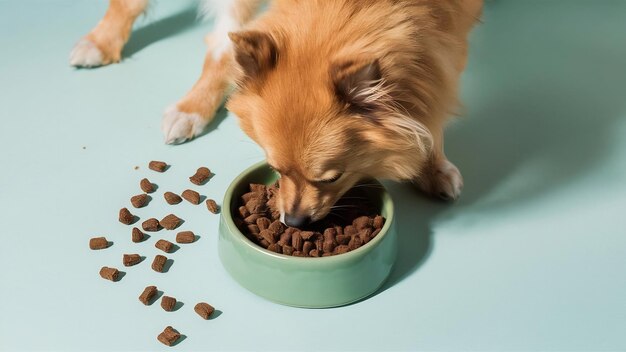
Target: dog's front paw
{"points": [[179, 127], [443, 180], [86, 54]]}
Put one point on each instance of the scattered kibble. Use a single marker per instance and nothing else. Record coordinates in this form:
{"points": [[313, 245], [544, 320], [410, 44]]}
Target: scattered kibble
{"points": [[169, 336], [158, 166], [212, 206], [158, 263], [185, 237], [168, 303], [111, 274], [170, 222], [137, 235], [146, 185], [139, 201], [126, 217], [148, 294], [172, 198], [191, 196], [204, 310], [151, 224], [201, 176], [98, 243], [164, 245], [131, 259]]}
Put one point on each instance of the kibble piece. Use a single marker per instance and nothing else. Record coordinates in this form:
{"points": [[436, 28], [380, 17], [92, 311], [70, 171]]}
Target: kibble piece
{"points": [[341, 249], [269, 236], [139, 201], [169, 336], [158, 263], [212, 206], [253, 229], [247, 196], [98, 243], [343, 239], [147, 295], [137, 235], [126, 217], [277, 227], [314, 253], [258, 188], [252, 218], [365, 235], [164, 245], [172, 198], [168, 303], [256, 206], [378, 222], [109, 273], [204, 310], [307, 247], [263, 223], [306, 235], [297, 241], [264, 243], [131, 259], [185, 237], [158, 166], [191, 196], [355, 243], [285, 238], [288, 250], [146, 185], [170, 222], [362, 222], [350, 230], [275, 247], [201, 175], [275, 215], [243, 211], [151, 224]]}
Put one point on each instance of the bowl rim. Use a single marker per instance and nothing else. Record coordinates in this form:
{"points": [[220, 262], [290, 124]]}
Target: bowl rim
{"points": [[349, 256]]}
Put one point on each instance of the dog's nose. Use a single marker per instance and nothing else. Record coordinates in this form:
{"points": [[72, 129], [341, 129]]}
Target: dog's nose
{"points": [[296, 221]]}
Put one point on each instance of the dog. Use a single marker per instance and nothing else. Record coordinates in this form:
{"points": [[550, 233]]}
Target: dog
{"points": [[334, 91]]}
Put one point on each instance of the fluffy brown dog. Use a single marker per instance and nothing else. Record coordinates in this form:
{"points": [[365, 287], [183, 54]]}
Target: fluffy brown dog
{"points": [[337, 91]]}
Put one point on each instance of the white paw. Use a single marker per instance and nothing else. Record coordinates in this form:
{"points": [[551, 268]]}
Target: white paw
{"points": [[449, 182], [85, 54], [179, 127]]}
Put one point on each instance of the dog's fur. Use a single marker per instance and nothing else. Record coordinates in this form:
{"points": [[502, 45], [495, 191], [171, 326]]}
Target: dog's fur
{"points": [[333, 91]]}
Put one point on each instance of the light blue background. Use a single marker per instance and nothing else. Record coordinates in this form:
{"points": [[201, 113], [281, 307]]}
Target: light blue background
{"points": [[533, 257]]}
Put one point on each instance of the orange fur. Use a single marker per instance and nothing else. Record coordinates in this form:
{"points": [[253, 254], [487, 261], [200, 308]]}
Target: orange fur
{"points": [[360, 88]]}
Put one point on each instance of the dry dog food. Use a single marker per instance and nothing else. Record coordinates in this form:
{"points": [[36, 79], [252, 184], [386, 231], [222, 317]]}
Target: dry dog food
{"points": [[352, 226], [192, 197], [168, 303], [172, 198], [98, 243], [148, 294], [126, 217], [201, 176], [137, 236], [139, 201], [151, 224], [185, 237], [131, 259], [212, 206], [169, 336], [170, 222], [109, 273], [158, 263], [158, 166], [164, 245], [146, 185], [204, 310]]}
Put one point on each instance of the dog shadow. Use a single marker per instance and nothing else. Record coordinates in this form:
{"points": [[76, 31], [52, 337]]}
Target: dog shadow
{"points": [[158, 30], [541, 114]]}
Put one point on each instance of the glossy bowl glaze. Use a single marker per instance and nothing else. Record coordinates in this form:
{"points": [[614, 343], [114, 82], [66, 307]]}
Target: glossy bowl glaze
{"points": [[305, 282]]}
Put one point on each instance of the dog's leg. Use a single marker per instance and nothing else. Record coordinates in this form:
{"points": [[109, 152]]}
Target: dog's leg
{"points": [[440, 178], [188, 118], [103, 45]]}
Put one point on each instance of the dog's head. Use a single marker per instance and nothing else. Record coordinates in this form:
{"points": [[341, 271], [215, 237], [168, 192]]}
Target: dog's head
{"points": [[324, 123]]}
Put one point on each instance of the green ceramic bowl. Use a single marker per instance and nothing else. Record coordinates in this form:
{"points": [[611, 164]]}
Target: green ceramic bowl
{"points": [[305, 282]]}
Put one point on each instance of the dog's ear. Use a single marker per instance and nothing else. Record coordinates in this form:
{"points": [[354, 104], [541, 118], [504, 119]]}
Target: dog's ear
{"points": [[255, 52], [357, 83]]}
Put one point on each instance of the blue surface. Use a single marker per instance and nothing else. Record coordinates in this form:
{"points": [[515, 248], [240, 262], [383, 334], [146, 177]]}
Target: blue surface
{"points": [[533, 256]]}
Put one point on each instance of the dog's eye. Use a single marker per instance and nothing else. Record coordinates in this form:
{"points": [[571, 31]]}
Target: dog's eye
{"points": [[332, 180]]}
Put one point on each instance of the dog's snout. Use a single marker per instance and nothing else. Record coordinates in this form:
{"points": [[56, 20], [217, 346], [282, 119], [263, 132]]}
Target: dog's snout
{"points": [[296, 221]]}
